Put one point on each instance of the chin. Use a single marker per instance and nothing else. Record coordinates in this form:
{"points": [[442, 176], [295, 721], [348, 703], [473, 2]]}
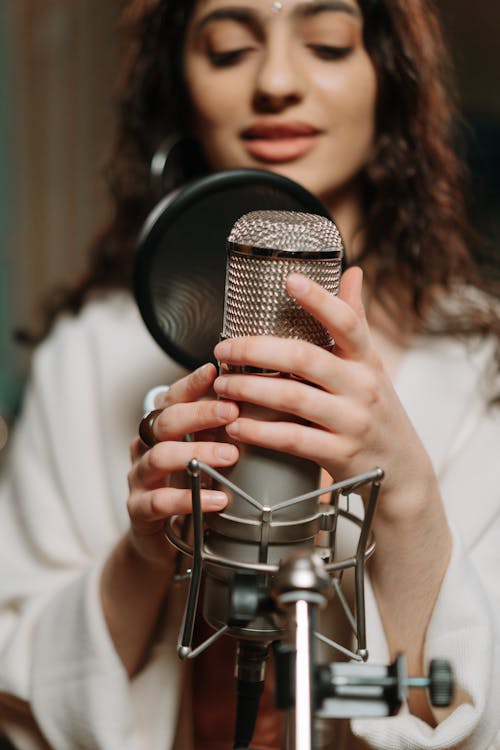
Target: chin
{"points": [[305, 174], [304, 177]]}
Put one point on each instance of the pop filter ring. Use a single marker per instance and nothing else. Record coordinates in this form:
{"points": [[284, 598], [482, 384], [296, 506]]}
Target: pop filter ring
{"points": [[190, 206]]}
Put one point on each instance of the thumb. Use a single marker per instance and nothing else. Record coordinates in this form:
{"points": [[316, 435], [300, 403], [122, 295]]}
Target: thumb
{"points": [[351, 289]]}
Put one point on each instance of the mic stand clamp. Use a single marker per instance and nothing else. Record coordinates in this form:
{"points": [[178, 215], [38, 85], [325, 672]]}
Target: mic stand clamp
{"points": [[372, 690]]}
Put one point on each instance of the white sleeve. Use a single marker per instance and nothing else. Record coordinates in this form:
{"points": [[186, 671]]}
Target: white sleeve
{"points": [[60, 518], [464, 628]]}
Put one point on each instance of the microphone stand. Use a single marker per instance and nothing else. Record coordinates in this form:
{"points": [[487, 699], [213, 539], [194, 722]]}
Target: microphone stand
{"points": [[250, 590], [299, 586]]}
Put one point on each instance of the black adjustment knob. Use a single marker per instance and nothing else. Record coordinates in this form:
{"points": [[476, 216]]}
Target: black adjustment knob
{"points": [[244, 598], [441, 688]]}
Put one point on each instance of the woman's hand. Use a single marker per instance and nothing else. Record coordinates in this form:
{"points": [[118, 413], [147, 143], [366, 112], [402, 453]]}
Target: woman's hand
{"points": [[354, 422], [354, 419], [154, 491], [136, 577]]}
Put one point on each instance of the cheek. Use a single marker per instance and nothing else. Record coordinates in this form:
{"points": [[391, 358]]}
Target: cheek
{"points": [[212, 102], [212, 115], [365, 96], [352, 99]]}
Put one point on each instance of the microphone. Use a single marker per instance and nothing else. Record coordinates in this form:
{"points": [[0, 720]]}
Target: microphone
{"points": [[265, 520]]}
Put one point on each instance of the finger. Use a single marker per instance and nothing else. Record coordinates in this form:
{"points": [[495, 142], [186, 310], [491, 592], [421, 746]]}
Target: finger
{"points": [[137, 449], [165, 457], [300, 358], [192, 386], [305, 441], [185, 418], [332, 412], [164, 502], [345, 322], [351, 289]]}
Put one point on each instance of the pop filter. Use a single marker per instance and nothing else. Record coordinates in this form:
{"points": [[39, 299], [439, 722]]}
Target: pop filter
{"points": [[180, 262]]}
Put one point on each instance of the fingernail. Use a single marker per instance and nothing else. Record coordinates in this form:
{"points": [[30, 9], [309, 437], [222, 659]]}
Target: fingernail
{"points": [[214, 500], [225, 410], [297, 283], [220, 384], [203, 370], [222, 350], [226, 452], [233, 429]]}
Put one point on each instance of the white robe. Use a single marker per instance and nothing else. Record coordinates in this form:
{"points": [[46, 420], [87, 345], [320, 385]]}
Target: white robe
{"points": [[63, 507]]}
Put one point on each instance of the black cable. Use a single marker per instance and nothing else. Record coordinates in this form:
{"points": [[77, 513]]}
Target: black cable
{"points": [[248, 694], [250, 667]]}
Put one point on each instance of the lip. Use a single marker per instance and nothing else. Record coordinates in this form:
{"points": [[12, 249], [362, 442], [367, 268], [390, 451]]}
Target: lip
{"points": [[279, 142]]}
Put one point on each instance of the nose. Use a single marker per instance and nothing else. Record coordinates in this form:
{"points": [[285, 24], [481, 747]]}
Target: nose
{"points": [[279, 80]]}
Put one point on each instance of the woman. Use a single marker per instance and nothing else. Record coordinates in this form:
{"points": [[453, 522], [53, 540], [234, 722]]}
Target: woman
{"points": [[346, 98]]}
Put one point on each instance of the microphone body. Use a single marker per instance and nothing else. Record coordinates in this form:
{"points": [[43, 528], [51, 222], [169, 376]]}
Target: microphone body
{"points": [[264, 248]]}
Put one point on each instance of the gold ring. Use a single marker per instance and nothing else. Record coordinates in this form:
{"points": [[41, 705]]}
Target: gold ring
{"points": [[146, 432]]}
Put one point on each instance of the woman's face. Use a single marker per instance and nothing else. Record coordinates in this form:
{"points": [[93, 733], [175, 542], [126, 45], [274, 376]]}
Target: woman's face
{"points": [[286, 86]]}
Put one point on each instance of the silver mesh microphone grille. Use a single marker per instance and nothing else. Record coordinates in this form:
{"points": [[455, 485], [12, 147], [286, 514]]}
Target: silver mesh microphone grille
{"points": [[265, 247], [287, 230]]}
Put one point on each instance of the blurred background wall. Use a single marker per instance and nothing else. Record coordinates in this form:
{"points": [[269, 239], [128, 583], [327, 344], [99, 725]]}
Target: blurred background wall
{"points": [[58, 62], [473, 32]]}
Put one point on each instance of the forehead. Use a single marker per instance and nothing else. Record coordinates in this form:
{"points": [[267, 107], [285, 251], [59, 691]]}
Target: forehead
{"points": [[280, 8]]}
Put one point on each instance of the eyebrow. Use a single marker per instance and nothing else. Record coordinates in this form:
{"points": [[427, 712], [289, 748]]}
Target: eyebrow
{"points": [[242, 15], [304, 10], [323, 6]]}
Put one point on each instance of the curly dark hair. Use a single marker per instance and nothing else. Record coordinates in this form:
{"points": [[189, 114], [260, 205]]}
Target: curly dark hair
{"points": [[417, 241]]}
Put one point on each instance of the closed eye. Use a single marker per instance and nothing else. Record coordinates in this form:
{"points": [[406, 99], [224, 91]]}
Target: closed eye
{"points": [[328, 52], [228, 58]]}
